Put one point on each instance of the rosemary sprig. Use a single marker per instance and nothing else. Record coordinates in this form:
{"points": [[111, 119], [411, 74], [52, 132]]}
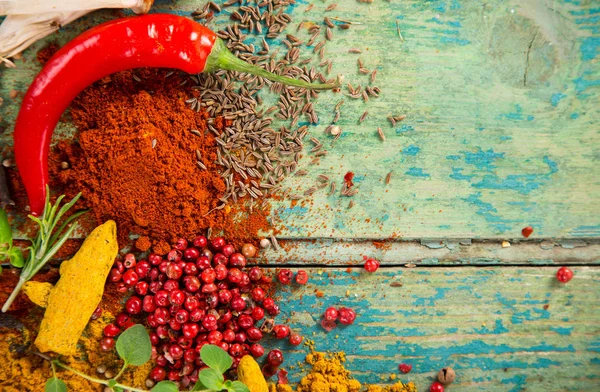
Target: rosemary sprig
{"points": [[48, 240]]}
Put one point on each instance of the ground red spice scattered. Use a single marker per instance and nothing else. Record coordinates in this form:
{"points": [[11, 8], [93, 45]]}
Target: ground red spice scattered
{"points": [[143, 243], [134, 160], [44, 54]]}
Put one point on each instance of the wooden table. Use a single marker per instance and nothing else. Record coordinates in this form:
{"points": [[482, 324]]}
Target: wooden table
{"points": [[502, 105]]}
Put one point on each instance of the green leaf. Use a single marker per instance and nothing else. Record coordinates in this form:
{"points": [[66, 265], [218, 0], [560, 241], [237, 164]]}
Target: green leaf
{"points": [[112, 382], [55, 385], [199, 386], [118, 389], [134, 346], [238, 386], [215, 358], [16, 257], [211, 379], [165, 386], [227, 384], [5, 230]]}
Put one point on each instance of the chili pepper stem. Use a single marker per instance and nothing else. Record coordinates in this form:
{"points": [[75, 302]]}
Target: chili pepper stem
{"points": [[221, 58]]}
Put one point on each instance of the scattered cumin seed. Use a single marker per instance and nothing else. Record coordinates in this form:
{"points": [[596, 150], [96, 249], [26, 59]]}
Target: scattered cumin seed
{"points": [[351, 204], [388, 178], [362, 118], [275, 243], [381, 134], [373, 75], [332, 188], [331, 7], [329, 34], [310, 191]]}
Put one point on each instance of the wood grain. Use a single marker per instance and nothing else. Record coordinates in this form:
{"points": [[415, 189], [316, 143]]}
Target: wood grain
{"points": [[501, 329], [501, 128], [501, 132]]}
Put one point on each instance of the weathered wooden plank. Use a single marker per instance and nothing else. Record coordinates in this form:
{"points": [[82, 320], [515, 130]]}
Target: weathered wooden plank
{"points": [[501, 329], [501, 128], [433, 252]]}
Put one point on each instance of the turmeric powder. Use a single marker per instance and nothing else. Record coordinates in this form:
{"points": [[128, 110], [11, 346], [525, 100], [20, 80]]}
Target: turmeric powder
{"points": [[329, 375], [397, 387]]}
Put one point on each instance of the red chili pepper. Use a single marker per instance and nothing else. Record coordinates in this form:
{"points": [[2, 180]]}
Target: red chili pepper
{"points": [[157, 40]]}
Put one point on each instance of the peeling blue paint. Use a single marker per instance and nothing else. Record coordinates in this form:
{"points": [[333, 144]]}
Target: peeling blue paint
{"points": [[526, 315], [488, 211], [404, 128], [555, 99], [411, 150], [453, 40], [440, 293], [522, 183], [551, 164], [417, 172], [564, 331], [585, 231], [457, 174], [518, 381], [582, 84], [499, 328], [453, 157], [517, 115], [589, 48], [483, 160]]}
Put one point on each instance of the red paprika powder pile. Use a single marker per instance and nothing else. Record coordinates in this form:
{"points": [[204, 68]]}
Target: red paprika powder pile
{"points": [[134, 159]]}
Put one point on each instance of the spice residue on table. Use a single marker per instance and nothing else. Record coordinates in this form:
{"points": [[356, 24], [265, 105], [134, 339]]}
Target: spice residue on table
{"points": [[328, 373], [135, 161]]}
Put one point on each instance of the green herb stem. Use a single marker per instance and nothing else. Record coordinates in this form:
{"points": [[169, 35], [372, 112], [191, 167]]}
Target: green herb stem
{"points": [[96, 380], [47, 241], [121, 371]]}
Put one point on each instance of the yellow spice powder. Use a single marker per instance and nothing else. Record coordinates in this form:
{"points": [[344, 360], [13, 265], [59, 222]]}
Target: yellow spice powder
{"points": [[328, 374]]}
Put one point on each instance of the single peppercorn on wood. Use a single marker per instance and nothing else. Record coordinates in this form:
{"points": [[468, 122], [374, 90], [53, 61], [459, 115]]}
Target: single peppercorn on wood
{"points": [[78, 292]]}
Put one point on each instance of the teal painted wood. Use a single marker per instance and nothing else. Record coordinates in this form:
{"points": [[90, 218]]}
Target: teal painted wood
{"points": [[501, 329], [502, 114], [438, 252]]}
